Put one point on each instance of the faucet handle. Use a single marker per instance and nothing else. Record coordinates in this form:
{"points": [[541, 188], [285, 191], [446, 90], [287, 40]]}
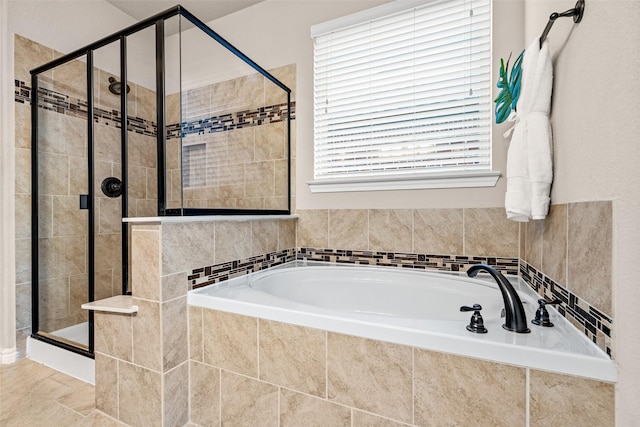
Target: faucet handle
{"points": [[475, 307], [476, 324], [542, 315]]}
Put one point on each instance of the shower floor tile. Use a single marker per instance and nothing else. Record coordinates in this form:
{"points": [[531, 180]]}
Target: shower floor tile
{"points": [[34, 395]]}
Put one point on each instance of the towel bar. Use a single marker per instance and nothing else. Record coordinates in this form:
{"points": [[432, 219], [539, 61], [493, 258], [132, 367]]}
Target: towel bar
{"points": [[576, 12]]}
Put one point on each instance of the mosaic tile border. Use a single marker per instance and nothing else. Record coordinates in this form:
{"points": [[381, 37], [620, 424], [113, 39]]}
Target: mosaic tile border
{"points": [[597, 326], [68, 105], [75, 107], [507, 266], [220, 272], [230, 121]]}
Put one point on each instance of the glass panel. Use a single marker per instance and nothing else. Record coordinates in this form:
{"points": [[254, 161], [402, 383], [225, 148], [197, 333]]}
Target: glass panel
{"points": [[234, 130], [63, 225], [142, 133], [107, 172], [173, 33]]}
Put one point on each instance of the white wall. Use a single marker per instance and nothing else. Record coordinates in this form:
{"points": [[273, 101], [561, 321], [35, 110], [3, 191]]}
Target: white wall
{"points": [[596, 124]]}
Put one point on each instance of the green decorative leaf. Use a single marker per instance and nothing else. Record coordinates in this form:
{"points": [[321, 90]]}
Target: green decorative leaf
{"points": [[509, 85]]}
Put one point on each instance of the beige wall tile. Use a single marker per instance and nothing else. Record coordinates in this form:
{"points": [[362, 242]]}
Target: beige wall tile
{"points": [[293, 357], [554, 244], [62, 256], [113, 335], [140, 395], [205, 394], [590, 252], [390, 230], [174, 286], [145, 103], [298, 409], [106, 387], [264, 237], [196, 103], [558, 400], [23, 125], [270, 141], [233, 241], [175, 333], [109, 215], [28, 55], [145, 263], [45, 216], [109, 247], [173, 108], [23, 260], [53, 174], [313, 228], [274, 95], [259, 179], [23, 216], [195, 333], [487, 232], [247, 402], [231, 342], [437, 231], [240, 147], [107, 284], [181, 254], [23, 163], [363, 419], [142, 150], [176, 396], [147, 335], [23, 306], [533, 232], [107, 146], [370, 375], [249, 91], [70, 78], [452, 390], [68, 219], [137, 182], [286, 234], [53, 300], [282, 179], [349, 229]]}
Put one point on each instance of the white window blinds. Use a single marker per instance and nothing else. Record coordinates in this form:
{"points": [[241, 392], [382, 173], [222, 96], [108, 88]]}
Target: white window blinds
{"points": [[405, 94]]}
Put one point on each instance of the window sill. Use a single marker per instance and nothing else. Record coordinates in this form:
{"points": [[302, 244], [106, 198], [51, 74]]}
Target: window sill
{"points": [[407, 182]]}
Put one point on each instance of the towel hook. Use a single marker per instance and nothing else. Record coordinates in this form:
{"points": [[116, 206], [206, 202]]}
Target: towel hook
{"points": [[576, 12]]}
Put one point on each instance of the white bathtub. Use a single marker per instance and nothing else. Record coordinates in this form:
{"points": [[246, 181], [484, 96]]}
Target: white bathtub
{"points": [[415, 308]]}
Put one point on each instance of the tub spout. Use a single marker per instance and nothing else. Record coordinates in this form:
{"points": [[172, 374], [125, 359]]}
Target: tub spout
{"points": [[515, 321]]}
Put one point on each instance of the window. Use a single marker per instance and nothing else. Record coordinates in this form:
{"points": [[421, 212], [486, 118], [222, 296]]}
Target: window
{"points": [[402, 97]]}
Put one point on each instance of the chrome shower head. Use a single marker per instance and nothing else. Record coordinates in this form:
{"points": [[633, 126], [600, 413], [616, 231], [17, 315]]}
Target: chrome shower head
{"points": [[115, 86]]}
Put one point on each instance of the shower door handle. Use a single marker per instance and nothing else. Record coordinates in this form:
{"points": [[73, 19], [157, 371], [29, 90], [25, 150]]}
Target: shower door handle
{"points": [[84, 201]]}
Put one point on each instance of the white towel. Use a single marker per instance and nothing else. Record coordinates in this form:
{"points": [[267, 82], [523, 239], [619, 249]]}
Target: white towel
{"points": [[529, 162]]}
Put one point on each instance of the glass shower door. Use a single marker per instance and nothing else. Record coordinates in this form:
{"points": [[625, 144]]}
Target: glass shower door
{"points": [[61, 191]]}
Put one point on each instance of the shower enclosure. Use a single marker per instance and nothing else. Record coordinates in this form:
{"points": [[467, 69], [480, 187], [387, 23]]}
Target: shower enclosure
{"points": [[207, 132]]}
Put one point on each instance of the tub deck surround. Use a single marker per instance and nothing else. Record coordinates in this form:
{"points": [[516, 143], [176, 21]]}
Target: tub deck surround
{"points": [[561, 349]]}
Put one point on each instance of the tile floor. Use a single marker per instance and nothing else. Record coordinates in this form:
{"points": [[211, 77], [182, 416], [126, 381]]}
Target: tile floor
{"points": [[34, 395]]}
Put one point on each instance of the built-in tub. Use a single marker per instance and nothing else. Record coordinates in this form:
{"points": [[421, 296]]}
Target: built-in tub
{"points": [[411, 307]]}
